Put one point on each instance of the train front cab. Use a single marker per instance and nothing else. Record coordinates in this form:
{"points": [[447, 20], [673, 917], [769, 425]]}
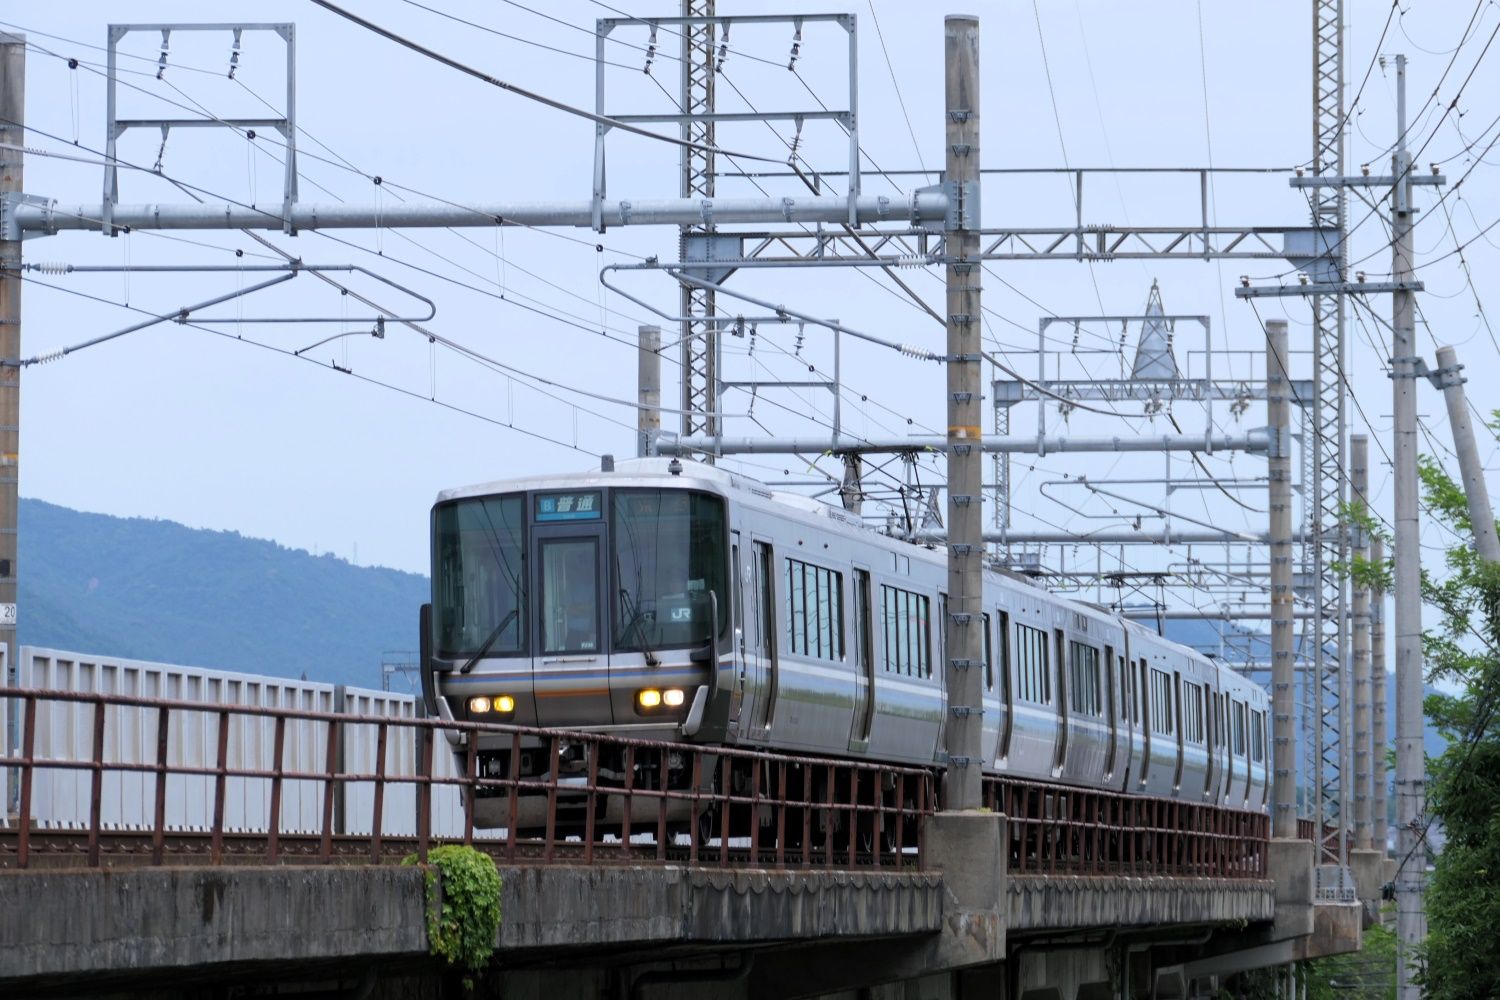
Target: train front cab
{"points": [[596, 607]]}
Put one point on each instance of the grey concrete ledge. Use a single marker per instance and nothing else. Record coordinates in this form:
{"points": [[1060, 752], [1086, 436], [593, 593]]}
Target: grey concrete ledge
{"points": [[1051, 902], [552, 907], [152, 921]]}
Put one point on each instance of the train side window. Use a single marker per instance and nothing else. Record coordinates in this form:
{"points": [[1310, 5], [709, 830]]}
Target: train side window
{"points": [[1032, 682], [863, 639], [1083, 679], [1257, 737], [1004, 657], [1239, 728], [1192, 712], [815, 610], [1161, 702], [906, 621], [942, 633]]}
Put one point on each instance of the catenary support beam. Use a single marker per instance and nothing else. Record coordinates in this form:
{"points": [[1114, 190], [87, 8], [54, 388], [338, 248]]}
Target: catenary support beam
{"points": [[669, 444], [1471, 469], [12, 109], [1359, 606], [1279, 503], [964, 622], [1411, 778], [648, 388], [1379, 728], [51, 217]]}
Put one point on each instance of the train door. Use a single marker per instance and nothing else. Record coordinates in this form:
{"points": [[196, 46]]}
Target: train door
{"points": [[864, 663], [738, 631], [1111, 697], [573, 670], [1007, 702], [1127, 707], [1060, 747], [1215, 777], [762, 681], [1143, 700]]}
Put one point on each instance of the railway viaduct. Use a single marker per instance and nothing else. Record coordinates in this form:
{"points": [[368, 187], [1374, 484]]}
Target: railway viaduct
{"points": [[136, 861]]}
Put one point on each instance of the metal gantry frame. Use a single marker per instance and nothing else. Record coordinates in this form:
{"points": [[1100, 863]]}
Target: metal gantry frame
{"points": [[705, 40], [116, 126]]}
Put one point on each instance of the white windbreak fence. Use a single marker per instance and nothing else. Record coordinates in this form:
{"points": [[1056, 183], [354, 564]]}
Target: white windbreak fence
{"points": [[65, 731]]}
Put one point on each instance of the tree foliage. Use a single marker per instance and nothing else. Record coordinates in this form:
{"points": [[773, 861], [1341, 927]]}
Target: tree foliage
{"points": [[1463, 649]]}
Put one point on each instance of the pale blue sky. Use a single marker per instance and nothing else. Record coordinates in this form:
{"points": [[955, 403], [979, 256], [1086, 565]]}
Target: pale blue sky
{"points": [[178, 423]]}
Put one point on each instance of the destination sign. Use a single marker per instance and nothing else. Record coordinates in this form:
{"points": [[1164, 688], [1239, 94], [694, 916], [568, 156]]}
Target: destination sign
{"points": [[569, 507]]}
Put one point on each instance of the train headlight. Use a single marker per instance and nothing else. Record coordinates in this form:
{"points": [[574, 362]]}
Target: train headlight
{"points": [[649, 698], [479, 706], [672, 697], [505, 703]]}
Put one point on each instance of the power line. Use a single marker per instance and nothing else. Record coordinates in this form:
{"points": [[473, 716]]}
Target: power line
{"points": [[531, 95]]}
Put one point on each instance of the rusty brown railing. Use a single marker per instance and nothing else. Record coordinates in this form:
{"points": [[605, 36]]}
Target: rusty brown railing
{"points": [[729, 806], [745, 807], [1059, 829]]}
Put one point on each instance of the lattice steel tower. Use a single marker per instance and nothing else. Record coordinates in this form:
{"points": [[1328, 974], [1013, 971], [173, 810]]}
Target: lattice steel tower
{"points": [[1327, 548], [700, 333]]}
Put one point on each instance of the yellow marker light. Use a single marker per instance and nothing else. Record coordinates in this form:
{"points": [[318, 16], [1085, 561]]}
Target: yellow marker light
{"points": [[672, 697], [479, 706], [649, 698], [505, 703]]}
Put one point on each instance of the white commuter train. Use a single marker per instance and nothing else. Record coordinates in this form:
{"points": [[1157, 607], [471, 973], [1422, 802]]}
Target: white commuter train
{"points": [[681, 602]]}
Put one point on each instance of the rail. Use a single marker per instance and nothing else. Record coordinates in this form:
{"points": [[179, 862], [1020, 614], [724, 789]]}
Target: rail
{"points": [[581, 798]]}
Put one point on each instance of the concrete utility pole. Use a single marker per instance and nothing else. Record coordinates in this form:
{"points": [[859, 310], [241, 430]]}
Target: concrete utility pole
{"points": [[1279, 502], [1411, 780], [13, 133], [648, 389], [1481, 515], [1379, 730], [1359, 476], [965, 624]]}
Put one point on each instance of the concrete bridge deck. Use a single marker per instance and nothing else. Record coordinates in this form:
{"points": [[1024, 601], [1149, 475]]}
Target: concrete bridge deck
{"points": [[152, 925]]}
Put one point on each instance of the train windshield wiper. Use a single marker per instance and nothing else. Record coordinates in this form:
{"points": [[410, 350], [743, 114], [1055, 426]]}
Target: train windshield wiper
{"points": [[489, 640], [637, 624]]}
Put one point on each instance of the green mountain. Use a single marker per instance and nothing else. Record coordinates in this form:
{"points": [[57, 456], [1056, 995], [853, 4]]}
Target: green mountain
{"points": [[155, 590]]}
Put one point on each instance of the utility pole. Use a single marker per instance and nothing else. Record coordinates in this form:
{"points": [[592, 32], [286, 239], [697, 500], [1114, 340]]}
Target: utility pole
{"points": [[1411, 786], [964, 626], [1380, 731], [1481, 515], [1359, 475], [1279, 504], [13, 133], [700, 328], [648, 390]]}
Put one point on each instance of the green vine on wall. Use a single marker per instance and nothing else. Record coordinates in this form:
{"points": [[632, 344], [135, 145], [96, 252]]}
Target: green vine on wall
{"points": [[462, 924]]}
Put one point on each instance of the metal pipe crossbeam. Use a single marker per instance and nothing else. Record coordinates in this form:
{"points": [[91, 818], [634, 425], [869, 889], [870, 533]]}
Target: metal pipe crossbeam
{"points": [[669, 444], [33, 216]]}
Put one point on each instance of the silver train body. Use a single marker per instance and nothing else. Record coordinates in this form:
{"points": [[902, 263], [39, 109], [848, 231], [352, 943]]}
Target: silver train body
{"points": [[702, 607]]}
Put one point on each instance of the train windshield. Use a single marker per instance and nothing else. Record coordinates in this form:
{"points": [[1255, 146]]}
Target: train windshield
{"points": [[668, 550], [478, 572]]}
